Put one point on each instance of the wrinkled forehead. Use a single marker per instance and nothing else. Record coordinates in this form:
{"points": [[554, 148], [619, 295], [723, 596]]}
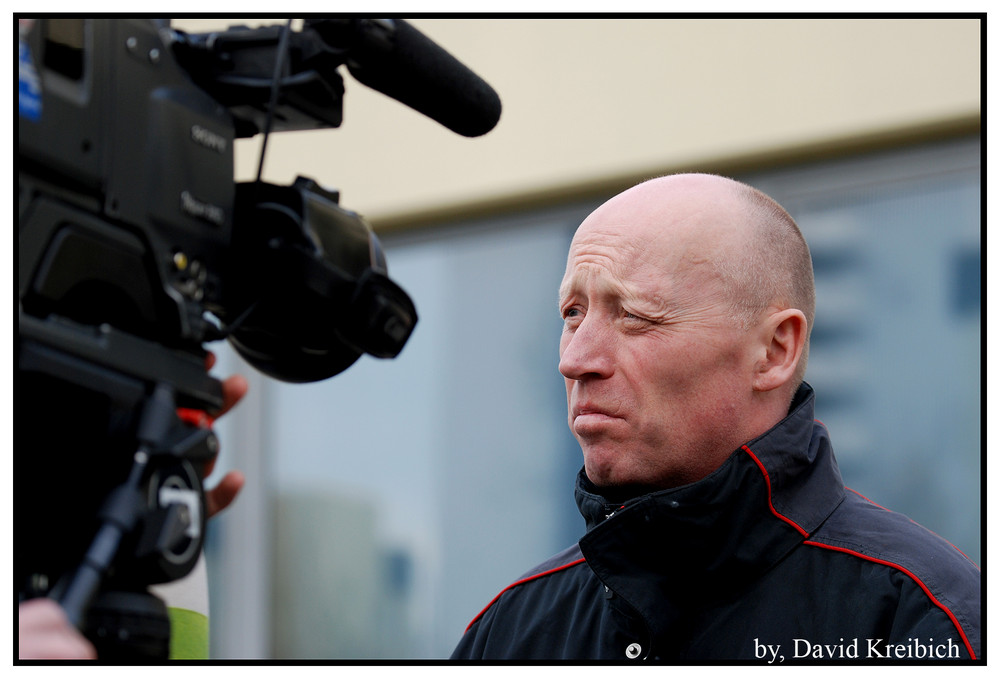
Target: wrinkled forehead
{"points": [[613, 246], [614, 264], [625, 249], [650, 245], [606, 254]]}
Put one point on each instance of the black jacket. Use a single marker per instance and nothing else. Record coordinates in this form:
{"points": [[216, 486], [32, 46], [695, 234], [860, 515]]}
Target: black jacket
{"points": [[769, 558]]}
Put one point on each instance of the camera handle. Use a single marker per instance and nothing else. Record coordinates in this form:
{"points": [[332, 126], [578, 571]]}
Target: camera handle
{"points": [[127, 504], [118, 517]]}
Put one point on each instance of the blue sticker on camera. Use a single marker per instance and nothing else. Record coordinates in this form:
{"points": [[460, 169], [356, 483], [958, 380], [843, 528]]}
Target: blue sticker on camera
{"points": [[29, 85]]}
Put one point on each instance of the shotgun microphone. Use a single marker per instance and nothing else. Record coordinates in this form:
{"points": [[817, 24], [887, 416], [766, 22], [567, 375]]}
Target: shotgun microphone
{"points": [[394, 58]]}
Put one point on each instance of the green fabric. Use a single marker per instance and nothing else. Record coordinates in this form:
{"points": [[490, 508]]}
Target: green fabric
{"points": [[188, 635]]}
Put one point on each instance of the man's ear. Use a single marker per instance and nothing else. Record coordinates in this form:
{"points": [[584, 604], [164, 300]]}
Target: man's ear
{"points": [[783, 335]]}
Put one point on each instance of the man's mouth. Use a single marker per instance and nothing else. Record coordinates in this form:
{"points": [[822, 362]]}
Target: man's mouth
{"points": [[589, 417]]}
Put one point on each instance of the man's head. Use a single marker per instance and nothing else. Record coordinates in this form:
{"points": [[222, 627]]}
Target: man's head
{"points": [[687, 303]]}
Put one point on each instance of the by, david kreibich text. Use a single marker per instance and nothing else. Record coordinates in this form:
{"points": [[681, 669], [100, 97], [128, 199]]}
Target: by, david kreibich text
{"points": [[859, 649]]}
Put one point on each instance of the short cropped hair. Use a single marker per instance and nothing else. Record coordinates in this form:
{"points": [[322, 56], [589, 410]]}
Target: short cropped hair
{"points": [[774, 266]]}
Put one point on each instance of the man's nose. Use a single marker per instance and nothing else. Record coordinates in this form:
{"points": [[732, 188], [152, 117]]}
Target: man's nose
{"points": [[586, 351]]}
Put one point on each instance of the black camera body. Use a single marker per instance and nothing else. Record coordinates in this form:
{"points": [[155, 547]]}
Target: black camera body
{"points": [[136, 249]]}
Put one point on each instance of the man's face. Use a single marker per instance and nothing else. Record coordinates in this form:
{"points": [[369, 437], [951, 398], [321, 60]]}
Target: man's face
{"points": [[656, 371]]}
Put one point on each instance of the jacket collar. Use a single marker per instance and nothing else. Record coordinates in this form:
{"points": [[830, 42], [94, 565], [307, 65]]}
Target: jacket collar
{"points": [[723, 530]]}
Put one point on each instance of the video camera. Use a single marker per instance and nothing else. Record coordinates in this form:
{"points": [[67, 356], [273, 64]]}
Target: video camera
{"points": [[136, 249]]}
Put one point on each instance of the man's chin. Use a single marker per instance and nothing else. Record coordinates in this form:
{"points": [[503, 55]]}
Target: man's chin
{"points": [[616, 485]]}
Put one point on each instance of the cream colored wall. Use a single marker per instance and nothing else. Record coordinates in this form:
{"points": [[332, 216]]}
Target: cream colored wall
{"points": [[589, 99]]}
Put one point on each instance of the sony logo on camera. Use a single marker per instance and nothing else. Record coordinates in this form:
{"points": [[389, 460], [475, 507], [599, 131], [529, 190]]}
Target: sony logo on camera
{"points": [[208, 139]]}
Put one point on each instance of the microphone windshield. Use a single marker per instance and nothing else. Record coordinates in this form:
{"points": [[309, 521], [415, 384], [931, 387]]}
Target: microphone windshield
{"points": [[399, 61]]}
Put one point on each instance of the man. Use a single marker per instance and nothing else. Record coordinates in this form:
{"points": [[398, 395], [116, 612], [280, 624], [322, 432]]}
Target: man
{"points": [[718, 526]]}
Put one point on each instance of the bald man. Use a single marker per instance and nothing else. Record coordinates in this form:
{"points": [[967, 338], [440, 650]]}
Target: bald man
{"points": [[718, 526]]}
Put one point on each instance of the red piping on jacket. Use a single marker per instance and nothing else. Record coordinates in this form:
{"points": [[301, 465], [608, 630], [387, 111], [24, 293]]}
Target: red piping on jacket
{"points": [[521, 582], [804, 533], [767, 480], [915, 579], [866, 499]]}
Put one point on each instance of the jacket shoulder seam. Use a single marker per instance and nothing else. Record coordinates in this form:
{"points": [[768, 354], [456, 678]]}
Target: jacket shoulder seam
{"points": [[920, 583]]}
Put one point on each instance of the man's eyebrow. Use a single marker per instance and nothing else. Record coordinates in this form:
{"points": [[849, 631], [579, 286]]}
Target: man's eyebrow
{"points": [[567, 285], [577, 280], [605, 286], [565, 290]]}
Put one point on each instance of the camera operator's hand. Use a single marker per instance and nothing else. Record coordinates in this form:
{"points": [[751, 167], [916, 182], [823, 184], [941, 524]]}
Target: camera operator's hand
{"points": [[222, 495], [43, 631]]}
